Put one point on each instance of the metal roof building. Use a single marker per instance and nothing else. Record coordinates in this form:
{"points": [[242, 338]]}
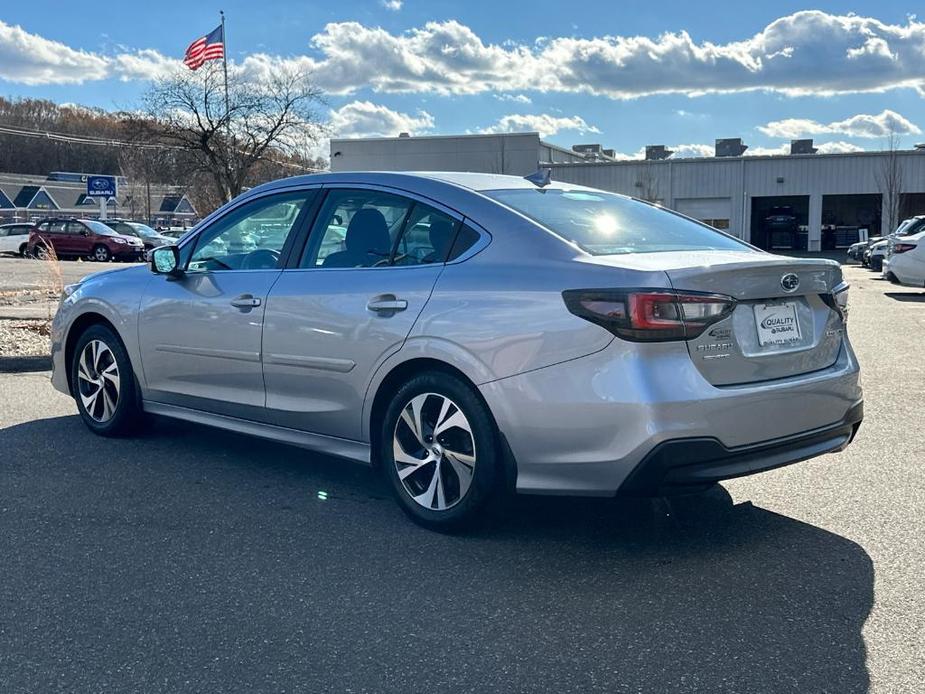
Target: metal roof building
{"points": [[830, 198]]}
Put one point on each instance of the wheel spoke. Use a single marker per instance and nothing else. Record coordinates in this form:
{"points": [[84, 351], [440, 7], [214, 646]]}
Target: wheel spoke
{"points": [[463, 471], [457, 419], [89, 401], [434, 492], [111, 374], [412, 416]]}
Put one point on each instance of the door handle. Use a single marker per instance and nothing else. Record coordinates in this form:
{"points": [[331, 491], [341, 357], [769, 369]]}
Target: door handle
{"points": [[387, 303], [245, 301]]}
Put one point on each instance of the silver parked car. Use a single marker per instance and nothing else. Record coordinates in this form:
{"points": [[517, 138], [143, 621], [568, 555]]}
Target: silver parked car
{"points": [[468, 333]]}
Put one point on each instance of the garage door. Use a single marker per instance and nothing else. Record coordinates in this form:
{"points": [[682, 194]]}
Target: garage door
{"points": [[705, 208]]}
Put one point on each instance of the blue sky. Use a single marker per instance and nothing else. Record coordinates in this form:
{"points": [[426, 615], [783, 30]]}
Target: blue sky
{"points": [[625, 74]]}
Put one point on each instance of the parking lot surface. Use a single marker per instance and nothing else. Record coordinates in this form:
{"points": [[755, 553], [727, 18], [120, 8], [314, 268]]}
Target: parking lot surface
{"points": [[198, 560]]}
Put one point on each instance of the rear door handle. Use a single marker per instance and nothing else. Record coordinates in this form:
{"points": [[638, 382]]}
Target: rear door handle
{"points": [[245, 301], [387, 304]]}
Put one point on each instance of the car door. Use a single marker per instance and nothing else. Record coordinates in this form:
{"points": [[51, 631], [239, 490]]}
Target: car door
{"points": [[365, 274], [55, 235], [78, 239], [200, 333]]}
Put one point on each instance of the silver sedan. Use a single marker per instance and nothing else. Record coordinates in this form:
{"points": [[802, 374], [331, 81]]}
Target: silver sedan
{"points": [[470, 334]]}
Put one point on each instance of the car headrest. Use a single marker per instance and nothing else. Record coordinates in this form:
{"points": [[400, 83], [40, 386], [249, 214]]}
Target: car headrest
{"points": [[368, 231]]}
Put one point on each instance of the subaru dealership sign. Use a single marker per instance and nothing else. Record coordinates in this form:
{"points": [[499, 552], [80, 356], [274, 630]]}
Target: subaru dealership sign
{"points": [[101, 186]]}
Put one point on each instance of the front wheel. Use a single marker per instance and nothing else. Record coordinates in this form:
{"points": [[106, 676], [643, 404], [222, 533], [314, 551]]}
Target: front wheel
{"points": [[103, 383], [439, 451]]}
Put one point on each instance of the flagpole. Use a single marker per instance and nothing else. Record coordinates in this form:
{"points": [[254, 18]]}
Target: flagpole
{"points": [[225, 67]]}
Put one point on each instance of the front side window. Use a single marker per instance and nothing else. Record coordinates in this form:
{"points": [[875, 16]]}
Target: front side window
{"points": [[252, 236], [606, 224]]}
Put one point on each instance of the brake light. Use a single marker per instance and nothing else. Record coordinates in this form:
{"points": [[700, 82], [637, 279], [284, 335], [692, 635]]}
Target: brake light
{"points": [[649, 315], [903, 247]]}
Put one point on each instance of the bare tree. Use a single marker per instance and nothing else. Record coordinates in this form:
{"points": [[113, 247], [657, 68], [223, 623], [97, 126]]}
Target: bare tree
{"points": [[889, 177], [266, 121]]}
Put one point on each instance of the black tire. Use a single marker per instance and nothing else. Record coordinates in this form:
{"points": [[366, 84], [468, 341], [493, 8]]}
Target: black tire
{"points": [[23, 251], [876, 265], [40, 252], [473, 506], [891, 278], [127, 413], [101, 254]]}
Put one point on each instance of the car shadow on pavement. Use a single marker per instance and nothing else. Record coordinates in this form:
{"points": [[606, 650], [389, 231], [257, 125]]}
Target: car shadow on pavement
{"points": [[262, 563], [907, 296]]}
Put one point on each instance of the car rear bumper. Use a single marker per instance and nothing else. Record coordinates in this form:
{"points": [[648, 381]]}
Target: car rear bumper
{"points": [[585, 426], [682, 464]]}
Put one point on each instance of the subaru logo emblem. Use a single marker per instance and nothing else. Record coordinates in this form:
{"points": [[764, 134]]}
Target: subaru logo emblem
{"points": [[790, 282]]}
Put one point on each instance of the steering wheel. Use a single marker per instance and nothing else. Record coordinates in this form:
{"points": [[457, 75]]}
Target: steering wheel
{"points": [[261, 259]]}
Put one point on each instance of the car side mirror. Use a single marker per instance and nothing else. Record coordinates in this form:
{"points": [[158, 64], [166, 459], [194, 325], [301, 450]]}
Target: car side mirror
{"points": [[165, 260]]}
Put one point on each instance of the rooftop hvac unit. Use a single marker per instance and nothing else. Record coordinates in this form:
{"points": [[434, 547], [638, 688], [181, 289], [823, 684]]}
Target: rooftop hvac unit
{"points": [[730, 147], [802, 147], [657, 152], [588, 149]]}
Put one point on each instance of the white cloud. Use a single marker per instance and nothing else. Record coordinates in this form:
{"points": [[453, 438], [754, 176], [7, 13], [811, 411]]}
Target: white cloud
{"points": [[366, 119], [860, 125], [543, 123], [394, 5], [809, 52], [31, 59], [515, 98], [146, 64], [837, 147]]}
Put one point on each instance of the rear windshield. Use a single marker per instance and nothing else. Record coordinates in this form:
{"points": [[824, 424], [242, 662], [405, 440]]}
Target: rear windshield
{"points": [[607, 224]]}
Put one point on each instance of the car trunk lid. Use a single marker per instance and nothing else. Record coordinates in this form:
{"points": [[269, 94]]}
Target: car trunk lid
{"points": [[784, 323]]}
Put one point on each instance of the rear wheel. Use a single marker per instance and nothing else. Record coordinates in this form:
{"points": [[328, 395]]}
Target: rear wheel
{"points": [[23, 251], [101, 254], [439, 451], [41, 252], [103, 383]]}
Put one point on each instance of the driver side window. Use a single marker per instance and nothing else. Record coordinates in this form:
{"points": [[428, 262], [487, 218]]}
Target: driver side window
{"points": [[251, 237]]}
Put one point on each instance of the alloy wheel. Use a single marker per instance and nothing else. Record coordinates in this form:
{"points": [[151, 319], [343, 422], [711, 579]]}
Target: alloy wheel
{"points": [[434, 451], [101, 254], [98, 381]]}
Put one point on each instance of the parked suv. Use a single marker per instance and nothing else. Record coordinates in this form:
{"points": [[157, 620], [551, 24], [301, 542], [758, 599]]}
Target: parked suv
{"points": [[149, 237], [83, 238], [14, 237]]}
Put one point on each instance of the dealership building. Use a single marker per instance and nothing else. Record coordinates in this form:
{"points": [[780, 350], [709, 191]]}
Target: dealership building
{"points": [[832, 199], [30, 198]]}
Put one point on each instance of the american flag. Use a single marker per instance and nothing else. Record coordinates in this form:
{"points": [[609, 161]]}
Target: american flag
{"points": [[208, 47]]}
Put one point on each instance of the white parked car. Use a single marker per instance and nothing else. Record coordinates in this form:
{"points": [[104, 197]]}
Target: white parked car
{"points": [[15, 237], [907, 264]]}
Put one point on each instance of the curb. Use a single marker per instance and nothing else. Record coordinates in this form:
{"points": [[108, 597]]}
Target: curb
{"points": [[12, 365]]}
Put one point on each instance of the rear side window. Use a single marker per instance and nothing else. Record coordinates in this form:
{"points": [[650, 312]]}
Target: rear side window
{"points": [[607, 224], [427, 238]]}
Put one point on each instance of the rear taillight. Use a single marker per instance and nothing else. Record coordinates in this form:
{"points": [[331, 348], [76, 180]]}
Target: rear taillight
{"points": [[903, 247], [646, 315], [838, 300]]}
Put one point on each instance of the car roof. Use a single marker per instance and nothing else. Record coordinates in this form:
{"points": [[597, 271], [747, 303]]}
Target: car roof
{"points": [[462, 179]]}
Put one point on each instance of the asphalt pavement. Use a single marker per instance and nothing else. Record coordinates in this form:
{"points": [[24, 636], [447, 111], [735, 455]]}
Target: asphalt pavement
{"points": [[189, 559]]}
